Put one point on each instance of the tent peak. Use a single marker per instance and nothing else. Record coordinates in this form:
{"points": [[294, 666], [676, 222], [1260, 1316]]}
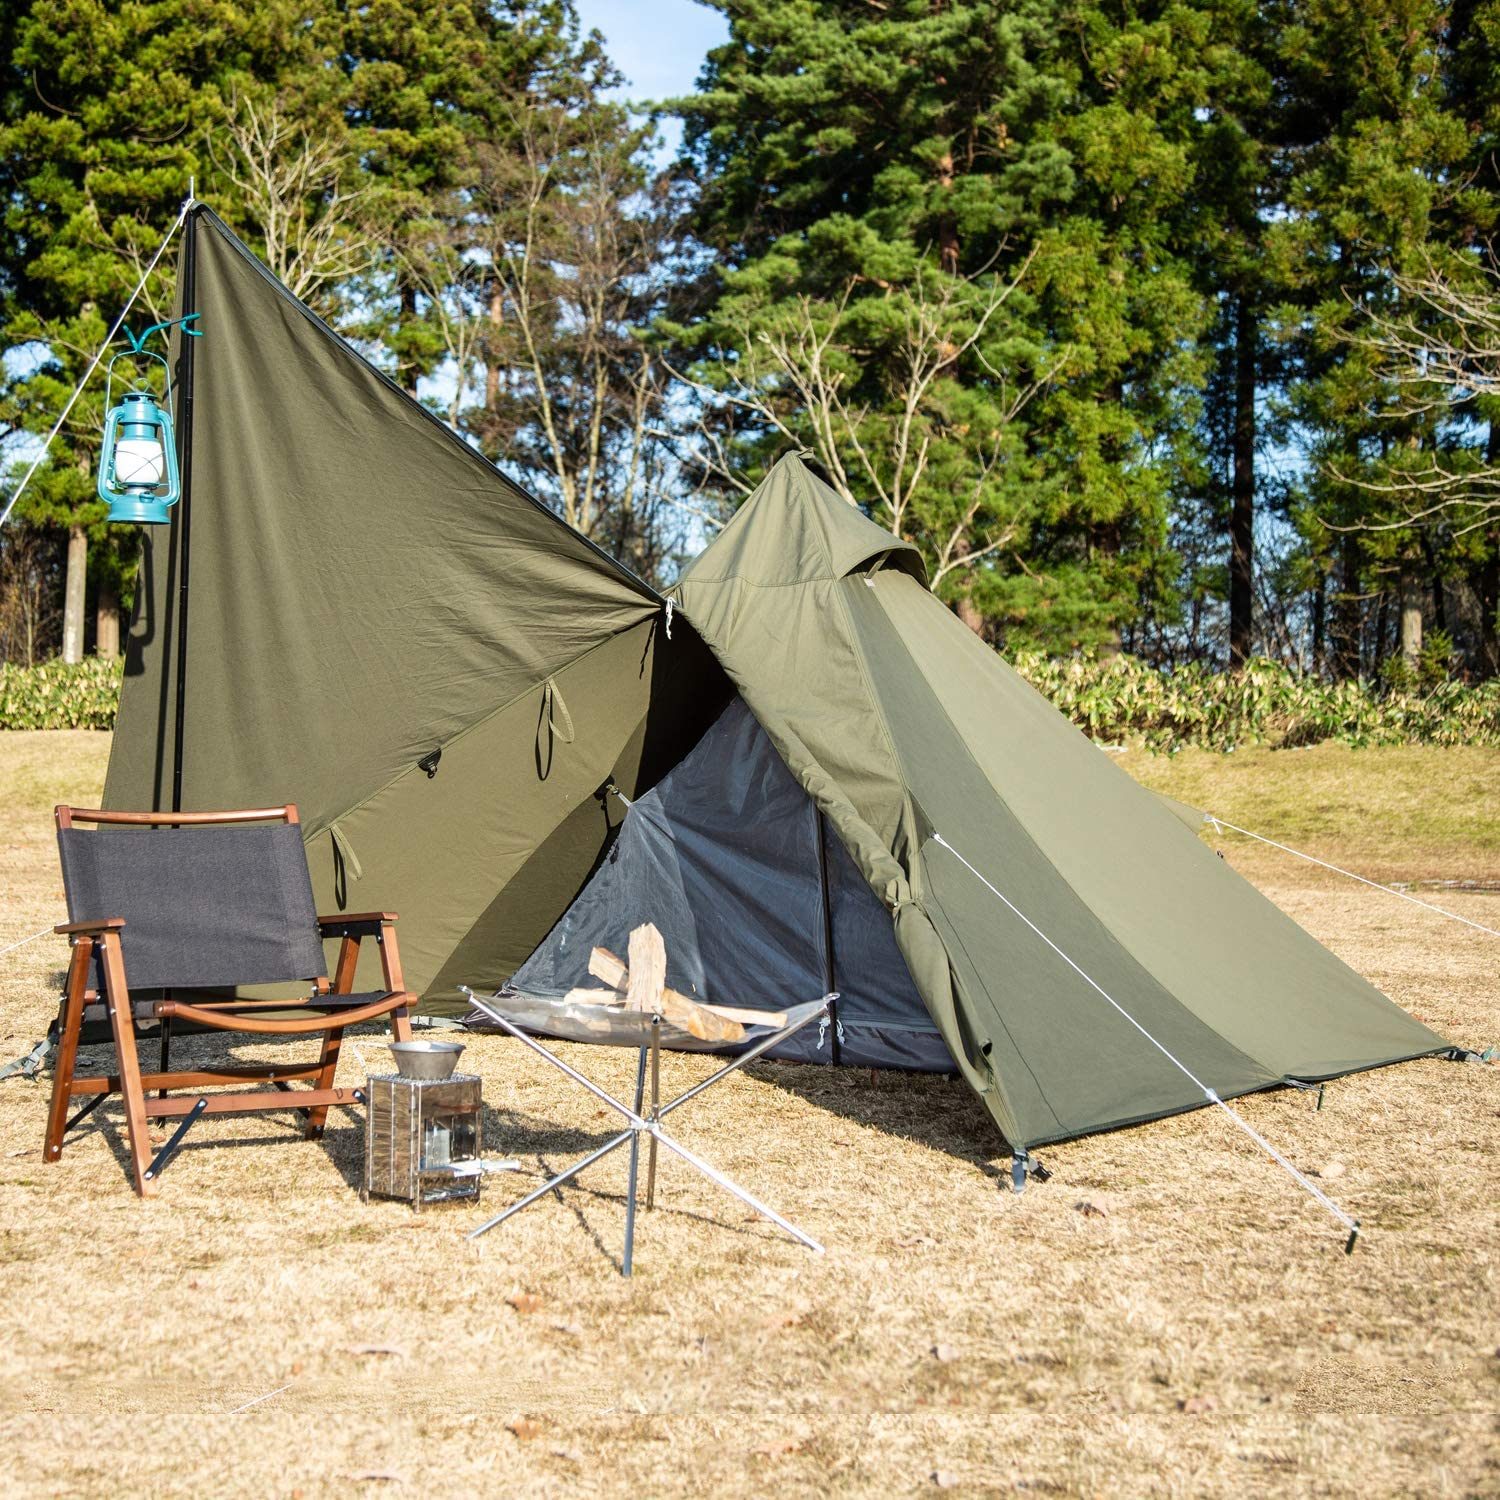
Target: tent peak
{"points": [[796, 528]]}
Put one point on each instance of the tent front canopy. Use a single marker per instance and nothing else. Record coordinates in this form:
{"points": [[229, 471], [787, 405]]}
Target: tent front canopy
{"points": [[367, 589], [757, 904]]}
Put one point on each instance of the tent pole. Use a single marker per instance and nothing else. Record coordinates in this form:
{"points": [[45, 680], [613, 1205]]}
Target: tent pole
{"points": [[188, 296], [829, 987]]}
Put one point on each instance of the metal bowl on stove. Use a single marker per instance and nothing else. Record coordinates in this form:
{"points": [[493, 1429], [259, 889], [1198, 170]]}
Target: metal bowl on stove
{"points": [[426, 1059]]}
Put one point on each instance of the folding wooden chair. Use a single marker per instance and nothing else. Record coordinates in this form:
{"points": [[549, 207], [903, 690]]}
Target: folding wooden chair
{"points": [[199, 904]]}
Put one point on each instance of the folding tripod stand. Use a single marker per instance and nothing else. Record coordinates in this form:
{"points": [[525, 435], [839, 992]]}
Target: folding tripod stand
{"points": [[648, 1041]]}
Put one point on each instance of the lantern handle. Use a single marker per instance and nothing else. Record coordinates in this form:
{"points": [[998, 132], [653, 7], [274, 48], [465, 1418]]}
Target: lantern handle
{"points": [[137, 342], [109, 372]]}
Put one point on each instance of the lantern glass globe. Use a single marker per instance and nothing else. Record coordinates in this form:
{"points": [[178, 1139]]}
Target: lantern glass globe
{"points": [[139, 461]]}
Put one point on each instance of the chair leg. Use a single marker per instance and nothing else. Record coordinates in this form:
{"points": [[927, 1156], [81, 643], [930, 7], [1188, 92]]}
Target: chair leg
{"points": [[318, 1114], [67, 1046], [166, 1048], [122, 1023]]}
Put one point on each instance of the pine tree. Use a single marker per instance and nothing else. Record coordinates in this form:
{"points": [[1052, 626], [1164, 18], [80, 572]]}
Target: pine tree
{"points": [[1378, 189], [948, 260]]}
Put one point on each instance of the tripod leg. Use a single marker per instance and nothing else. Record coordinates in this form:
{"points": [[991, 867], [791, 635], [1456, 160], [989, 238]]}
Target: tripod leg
{"points": [[655, 1104], [628, 1262]]}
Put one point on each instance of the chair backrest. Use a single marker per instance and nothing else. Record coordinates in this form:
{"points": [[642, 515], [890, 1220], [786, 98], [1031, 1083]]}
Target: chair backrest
{"points": [[210, 900]]}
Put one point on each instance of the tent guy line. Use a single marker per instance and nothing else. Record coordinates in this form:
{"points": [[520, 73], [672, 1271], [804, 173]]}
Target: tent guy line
{"points": [[11, 948], [103, 349], [1351, 1224], [1390, 890]]}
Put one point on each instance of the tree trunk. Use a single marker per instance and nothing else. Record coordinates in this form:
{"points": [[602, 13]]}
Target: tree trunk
{"points": [[1411, 614], [1346, 611], [968, 612], [948, 247], [1320, 625], [107, 623], [1489, 607], [492, 363], [411, 377], [1242, 513], [1489, 578], [78, 564]]}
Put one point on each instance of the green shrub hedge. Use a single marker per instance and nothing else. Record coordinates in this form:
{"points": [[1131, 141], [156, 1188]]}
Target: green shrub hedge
{"points": [[1122, 700], [54, 696], [1116, 699]]}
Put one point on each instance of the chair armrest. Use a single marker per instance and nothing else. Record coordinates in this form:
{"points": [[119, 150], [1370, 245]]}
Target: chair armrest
{"points": [[353, 927], [100, 924], [221, 1020], [365, 919]]}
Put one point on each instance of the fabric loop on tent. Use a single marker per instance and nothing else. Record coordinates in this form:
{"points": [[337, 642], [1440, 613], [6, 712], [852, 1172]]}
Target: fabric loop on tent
{"points": [[1351, 1224], [1390, 890], [553, 702], [346, 850]]}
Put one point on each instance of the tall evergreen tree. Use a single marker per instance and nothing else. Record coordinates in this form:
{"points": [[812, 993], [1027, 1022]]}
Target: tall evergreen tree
{"points": [[948, 259]]}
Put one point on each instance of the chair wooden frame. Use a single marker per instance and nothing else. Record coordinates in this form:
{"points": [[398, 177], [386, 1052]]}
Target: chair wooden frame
{"points": [[102, 938]]}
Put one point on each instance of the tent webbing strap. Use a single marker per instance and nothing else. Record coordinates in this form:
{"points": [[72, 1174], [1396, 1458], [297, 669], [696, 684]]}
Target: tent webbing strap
{"points": [[30, 1064], [1390, 890], [1351, 1224], [345, 850]]}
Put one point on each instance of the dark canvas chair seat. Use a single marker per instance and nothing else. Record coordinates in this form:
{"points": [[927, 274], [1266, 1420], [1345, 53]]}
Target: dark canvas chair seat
{"points": [[171, 914]]}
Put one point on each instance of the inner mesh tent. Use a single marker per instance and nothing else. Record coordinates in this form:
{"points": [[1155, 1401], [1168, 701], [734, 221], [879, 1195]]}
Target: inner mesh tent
{"points": [[724, 856]]}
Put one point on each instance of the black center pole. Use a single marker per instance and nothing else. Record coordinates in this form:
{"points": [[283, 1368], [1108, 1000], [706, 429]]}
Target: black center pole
{"points": [[828, 970], [188, 296]]}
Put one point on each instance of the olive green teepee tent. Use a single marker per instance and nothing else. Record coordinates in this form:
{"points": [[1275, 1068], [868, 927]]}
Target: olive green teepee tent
{"points": [[1086, 961], [830, 782]]}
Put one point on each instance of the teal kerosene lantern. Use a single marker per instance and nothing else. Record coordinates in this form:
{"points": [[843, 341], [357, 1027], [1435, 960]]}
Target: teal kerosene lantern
{"points": [[138, 476]]}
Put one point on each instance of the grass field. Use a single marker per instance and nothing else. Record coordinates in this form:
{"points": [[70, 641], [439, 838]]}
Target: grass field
{"points": [[1168, 1315]]}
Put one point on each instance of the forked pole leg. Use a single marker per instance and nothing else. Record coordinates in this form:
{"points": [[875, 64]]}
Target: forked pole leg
{"points": [[628, 1260], [552, 1183], [655, 1106], [730, 1186]]}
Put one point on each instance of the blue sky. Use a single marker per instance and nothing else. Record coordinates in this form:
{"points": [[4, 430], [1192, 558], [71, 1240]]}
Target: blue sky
{"points": [[658, 45]]}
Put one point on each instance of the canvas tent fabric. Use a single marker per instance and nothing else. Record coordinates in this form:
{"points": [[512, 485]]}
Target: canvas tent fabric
{"points": [[366, 589], [901, 725], [723, 855]]}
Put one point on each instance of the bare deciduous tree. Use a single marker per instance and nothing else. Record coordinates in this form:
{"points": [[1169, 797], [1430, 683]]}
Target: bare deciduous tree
{"points": [[297, 189], [577, 239], [798, 379], [1438, 356]]}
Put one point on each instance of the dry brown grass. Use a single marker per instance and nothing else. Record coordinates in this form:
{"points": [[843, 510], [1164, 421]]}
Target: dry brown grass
{"points": [[1203, 1335]]}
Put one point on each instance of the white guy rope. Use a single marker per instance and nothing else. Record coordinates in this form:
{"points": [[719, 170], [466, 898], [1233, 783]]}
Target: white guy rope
{"points": [[1352, 1225], [1390, 890], [245, 1406], [103, 349], [34, 936]]}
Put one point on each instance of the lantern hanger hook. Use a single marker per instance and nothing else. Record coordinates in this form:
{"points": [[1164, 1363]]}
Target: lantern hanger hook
{"points": [[137, 341]]}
